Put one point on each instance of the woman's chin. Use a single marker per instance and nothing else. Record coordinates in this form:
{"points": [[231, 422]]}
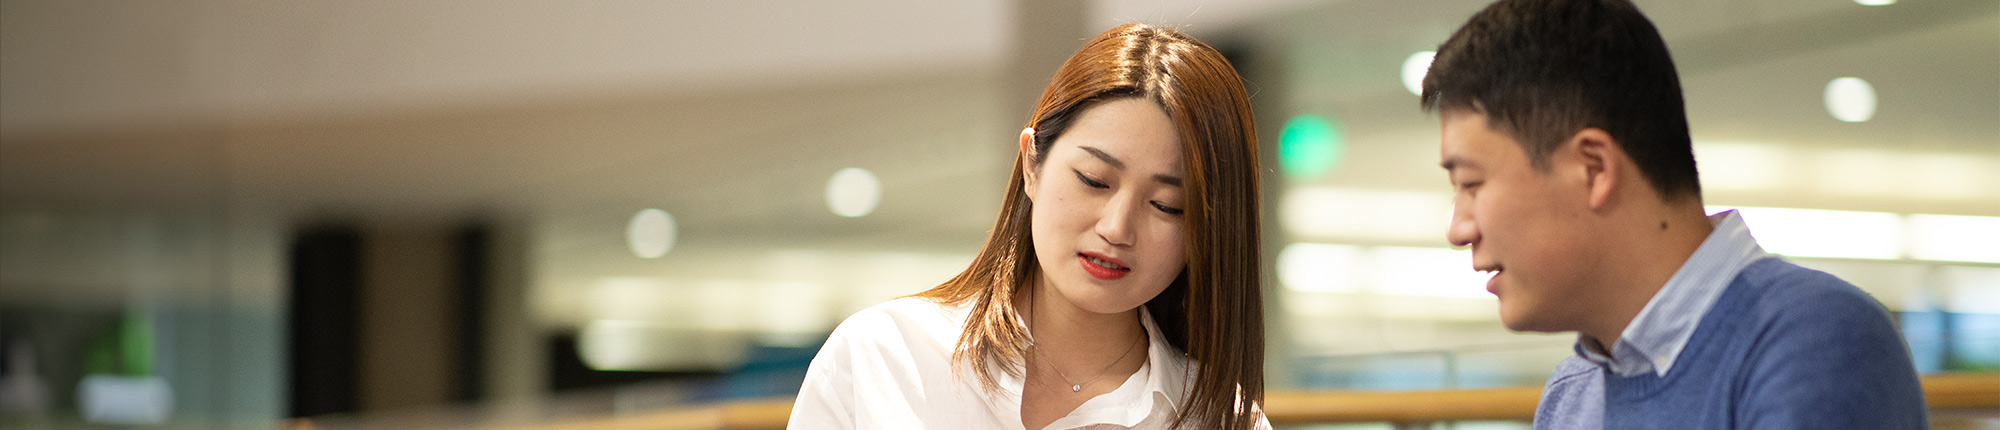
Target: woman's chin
{"points": [[1093, 299]]}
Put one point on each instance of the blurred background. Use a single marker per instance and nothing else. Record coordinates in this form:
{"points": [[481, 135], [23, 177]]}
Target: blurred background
{"points": [[228, 214]]}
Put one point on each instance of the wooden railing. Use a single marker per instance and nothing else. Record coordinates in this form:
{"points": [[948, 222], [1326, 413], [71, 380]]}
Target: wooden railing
{"points": [[1975, 392], [1307, 407]]}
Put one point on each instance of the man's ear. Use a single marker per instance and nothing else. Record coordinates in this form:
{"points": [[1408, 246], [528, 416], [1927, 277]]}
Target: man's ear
{"points": [[1028, 161], [1602, 160]]}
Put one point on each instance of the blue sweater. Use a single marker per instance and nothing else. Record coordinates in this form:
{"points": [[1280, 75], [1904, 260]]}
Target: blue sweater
{"points": [[1784, 347]]}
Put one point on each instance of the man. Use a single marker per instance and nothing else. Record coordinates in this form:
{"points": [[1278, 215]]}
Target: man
{"points": [[1566, 138]]}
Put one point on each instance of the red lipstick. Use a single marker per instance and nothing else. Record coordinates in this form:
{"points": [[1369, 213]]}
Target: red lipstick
{"points": [[1115, 270]]}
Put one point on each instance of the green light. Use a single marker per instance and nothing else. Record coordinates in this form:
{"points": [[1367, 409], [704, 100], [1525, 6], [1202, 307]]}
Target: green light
{"points": [[1310, 145]]}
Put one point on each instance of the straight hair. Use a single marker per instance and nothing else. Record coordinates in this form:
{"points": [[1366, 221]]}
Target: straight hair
{"points": [[1213, 310], [1541, 70]]}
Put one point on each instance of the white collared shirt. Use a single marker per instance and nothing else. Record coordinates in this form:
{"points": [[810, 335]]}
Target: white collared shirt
{"points": [[890, 367], [1656, 336]]}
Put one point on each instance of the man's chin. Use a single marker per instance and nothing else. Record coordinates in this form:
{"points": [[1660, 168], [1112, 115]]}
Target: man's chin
{"points": [[1525, 321]]}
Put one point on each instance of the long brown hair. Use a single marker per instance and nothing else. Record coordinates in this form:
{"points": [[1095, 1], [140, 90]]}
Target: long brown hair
{"points": [[1213, 311]]}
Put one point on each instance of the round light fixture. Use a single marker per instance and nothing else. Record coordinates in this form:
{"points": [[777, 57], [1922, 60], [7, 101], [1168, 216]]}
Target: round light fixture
{"points": [[853, 192], [651, 233], [1414, 69], [1850, 99]]}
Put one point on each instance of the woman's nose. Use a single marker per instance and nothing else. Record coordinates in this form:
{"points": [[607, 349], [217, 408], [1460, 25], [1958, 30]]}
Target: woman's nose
{"points": [[1115, 225]]}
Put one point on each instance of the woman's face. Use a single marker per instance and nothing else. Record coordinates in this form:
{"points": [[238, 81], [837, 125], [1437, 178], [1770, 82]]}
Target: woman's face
{"points": [[1107, 207]]}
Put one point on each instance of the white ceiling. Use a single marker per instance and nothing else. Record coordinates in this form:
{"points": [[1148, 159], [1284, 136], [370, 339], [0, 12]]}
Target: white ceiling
{"points": [[732, 114]]}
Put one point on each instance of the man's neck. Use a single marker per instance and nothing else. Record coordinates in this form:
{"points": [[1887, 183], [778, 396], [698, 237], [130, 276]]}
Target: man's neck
{"points": [[1655, 247]]}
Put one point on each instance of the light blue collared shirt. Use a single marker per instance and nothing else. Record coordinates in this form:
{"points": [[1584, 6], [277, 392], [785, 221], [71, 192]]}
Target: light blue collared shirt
{"points": [[1657, 335], [1574, 398]]}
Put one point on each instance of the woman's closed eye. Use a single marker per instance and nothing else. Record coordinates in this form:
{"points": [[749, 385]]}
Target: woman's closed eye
{"points": [[1093, 183]]}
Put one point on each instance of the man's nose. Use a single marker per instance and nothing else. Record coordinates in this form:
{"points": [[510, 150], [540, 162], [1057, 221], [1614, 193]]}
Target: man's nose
{"points": [[1463, 230]]}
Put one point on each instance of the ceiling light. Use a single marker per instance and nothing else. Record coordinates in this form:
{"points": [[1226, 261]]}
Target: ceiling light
{"points": [[1858, 172], [1427, 272], [853, 192], [1347, 214], [1955, 238], [1320, 268], [651, 233], [1383, 270], [1824, 233], [1743, 166], [1414, 69], [1850, 99]]}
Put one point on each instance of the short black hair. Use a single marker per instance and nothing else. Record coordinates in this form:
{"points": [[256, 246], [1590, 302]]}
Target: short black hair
{"points": [[1541, 70]]}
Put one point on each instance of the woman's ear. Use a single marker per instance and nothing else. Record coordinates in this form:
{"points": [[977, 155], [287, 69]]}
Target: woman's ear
{"points": [[1028, 161]]}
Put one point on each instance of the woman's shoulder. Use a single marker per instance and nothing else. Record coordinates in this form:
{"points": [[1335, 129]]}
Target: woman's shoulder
{"points": [[902, 311], [900, 322]]}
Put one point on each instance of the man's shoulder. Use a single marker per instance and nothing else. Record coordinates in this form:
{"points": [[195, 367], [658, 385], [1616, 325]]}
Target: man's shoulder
{"points": [[1794, 313], [1780, 290], [1573, 369], [1818, 340], [1573, 397]]}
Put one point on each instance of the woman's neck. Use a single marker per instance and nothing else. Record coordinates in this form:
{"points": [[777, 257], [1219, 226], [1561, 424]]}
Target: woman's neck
{"points": [[1071, 334], [1077, 354]]}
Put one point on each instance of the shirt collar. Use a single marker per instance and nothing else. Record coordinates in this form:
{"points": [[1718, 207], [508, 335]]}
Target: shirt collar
{"points": [[1661, 330], [1156, 389]]}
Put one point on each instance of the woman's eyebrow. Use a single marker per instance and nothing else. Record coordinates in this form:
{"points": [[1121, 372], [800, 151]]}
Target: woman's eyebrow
{"points": [[1120, 165], [1108, 159]]}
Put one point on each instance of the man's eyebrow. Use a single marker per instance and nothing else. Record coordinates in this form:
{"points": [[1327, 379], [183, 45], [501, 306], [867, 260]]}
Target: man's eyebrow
{"points": [[1108, 159], [1454, 162]]}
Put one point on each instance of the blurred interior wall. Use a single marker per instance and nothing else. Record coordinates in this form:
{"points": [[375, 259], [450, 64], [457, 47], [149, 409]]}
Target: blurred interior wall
{"points": [[400, 315], [407, 312], [128, 237], [100, 231]]}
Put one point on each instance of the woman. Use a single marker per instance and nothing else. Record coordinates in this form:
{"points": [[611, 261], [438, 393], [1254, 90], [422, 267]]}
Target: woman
{"points": [[1119, 287]]}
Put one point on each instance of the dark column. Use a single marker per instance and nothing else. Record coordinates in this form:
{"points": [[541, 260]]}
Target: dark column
{"points": [[325, 285]]}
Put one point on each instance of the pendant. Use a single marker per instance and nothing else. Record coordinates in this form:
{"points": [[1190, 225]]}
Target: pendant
{"points": [[1076, 388]]}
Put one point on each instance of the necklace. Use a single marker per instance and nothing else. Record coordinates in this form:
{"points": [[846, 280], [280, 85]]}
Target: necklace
{"points": [[1074, 386], [1078, 386]]}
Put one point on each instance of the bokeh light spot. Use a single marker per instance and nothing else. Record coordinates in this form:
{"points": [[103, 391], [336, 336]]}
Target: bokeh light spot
{"points": [[1414, 70], [651, 233], [1850, 99], [853, 192], [1310, 145]]}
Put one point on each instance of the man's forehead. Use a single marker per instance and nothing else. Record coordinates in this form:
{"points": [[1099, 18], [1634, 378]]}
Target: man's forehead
{"points": [[1466, 143], [1464, 120]]}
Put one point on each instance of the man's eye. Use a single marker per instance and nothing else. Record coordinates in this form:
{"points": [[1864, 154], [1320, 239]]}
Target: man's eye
{"points": [[1169, 210], [1090, 182]]}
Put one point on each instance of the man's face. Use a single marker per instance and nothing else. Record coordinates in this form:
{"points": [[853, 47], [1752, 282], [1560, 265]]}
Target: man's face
{"points": [[1524, 225]]}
